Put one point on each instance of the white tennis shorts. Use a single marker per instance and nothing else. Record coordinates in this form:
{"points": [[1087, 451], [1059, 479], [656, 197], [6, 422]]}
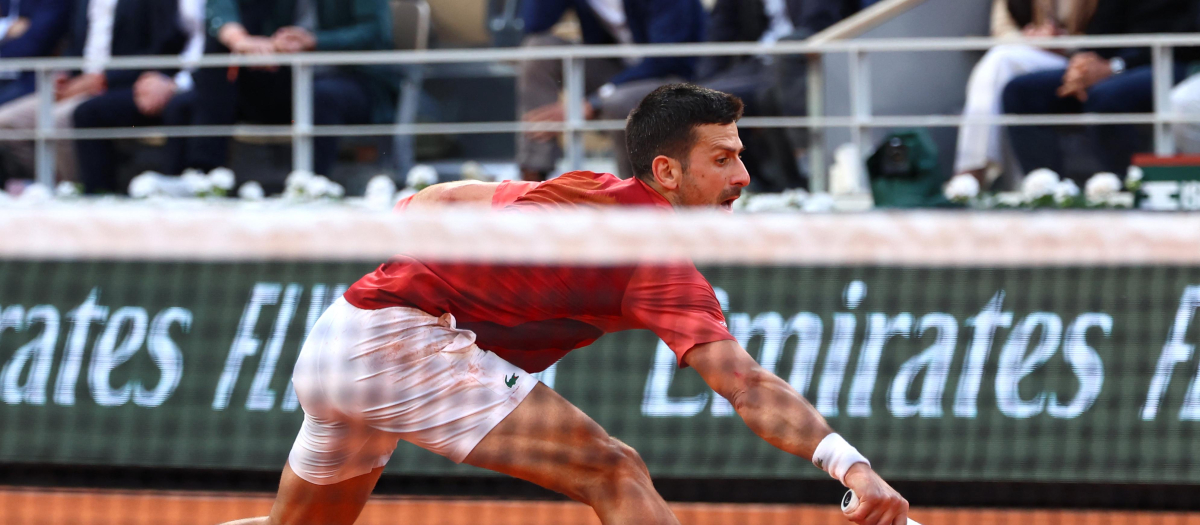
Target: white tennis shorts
{"points": [[368, 378]]}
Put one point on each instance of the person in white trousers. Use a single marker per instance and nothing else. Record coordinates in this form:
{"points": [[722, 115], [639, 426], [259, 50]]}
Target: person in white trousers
{"points": [[980, 150], [1185, 101]]}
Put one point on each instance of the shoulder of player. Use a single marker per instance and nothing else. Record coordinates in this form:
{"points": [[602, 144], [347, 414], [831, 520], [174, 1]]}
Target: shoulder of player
{"points": [[602, 180]]}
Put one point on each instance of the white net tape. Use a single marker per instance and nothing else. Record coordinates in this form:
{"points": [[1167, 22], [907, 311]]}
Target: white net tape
{"points": [[215, 232]]}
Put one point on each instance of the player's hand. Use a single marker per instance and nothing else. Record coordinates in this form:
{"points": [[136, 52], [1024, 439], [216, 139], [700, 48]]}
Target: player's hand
{"points": [[878, 502], [152, 92]]}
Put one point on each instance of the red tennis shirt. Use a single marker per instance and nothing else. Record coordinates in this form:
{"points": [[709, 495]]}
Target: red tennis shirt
{"points": [[533, 315]]}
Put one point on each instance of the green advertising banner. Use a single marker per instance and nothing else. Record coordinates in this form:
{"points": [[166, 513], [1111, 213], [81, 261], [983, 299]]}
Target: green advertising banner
{"points": [[1022, 374]]}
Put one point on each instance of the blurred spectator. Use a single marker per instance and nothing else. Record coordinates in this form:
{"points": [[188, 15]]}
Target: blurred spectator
{"points": [[819, 15], [790, 83], [769, 154], [99, 30], [156, 98], [29, 28], [1100, 81], [341, 94], [1185, 100], [614, 86], [979, 145]]}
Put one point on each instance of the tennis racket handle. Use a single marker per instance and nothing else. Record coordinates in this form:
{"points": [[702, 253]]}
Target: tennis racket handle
{"points": [[850, 501]]}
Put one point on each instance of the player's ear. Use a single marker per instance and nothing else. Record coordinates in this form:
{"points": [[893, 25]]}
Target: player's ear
{"points": [[667, 172]]}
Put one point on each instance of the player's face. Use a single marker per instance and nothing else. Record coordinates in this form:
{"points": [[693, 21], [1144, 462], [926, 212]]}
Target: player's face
{"points": [[715, 175]]}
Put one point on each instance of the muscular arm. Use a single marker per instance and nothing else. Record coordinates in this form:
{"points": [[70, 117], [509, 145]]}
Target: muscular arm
{"points": [[783, 418], [467, 192], [768, 405]]}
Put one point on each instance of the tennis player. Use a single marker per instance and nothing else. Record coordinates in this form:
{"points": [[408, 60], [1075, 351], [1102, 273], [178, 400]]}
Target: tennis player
{"points": [[441, 354]]}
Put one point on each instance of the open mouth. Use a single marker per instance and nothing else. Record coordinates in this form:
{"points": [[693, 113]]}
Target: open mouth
{"points": [[727, 204]]}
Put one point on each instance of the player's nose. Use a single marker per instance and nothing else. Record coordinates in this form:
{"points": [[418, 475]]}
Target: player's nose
{"points": [[741, 178]]}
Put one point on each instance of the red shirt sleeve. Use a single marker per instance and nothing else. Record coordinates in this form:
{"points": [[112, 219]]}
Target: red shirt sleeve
{"points": [[509, 191], [678, 305]]}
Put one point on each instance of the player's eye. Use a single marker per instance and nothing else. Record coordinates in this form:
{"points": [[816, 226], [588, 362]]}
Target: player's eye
{"points": [[723, 161]]}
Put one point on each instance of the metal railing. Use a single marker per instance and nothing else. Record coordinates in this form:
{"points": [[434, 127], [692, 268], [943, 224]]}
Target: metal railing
{"points": [[859, 121]]}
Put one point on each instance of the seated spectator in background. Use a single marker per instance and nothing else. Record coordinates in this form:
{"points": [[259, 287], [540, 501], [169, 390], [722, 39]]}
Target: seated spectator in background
{"points": [[155, 99], [790, 83], [769, 154], [29, 28], [819, 15], [614, 86], [1185, 101], [979, 145], [341, 94], [1101, 81], [100, 29]]}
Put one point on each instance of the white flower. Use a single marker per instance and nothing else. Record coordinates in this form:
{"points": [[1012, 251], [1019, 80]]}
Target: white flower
{"points": [[318, 186], [962, 188], [769, 202], [298, 178], [1038, 184], [421, 176], [1133, 177], [222, 178], [380, 185], [196, 182], [472, 170], [145, 185], [36, 192], [297, 185], [819, 203], [334, 190], [796, 197], [66, 190], [1101, 187], [1065, 191], [251, 191], [380, 192]]}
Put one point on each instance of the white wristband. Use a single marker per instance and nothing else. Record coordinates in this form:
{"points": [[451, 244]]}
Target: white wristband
{"points": [[835, 456]]}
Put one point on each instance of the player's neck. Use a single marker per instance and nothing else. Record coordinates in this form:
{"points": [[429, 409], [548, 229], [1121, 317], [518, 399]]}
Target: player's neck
{"points": [[671, 196]]}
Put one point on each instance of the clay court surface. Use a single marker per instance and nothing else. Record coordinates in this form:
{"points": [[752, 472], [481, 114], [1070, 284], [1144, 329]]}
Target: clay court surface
{"points": [[72, 507]]}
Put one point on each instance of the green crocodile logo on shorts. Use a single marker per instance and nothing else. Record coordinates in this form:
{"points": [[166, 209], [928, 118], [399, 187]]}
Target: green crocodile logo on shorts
{"points": [[510, 381]]}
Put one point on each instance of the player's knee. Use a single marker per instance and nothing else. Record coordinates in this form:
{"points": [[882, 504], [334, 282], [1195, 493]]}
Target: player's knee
{"points": [[616, 468]]}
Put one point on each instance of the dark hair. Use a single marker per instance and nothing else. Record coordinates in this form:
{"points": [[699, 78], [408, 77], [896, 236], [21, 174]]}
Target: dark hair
{"points": [[665, 122]]}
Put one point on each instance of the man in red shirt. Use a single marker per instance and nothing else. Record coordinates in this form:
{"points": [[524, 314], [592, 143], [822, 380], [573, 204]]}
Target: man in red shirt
{"points": [[440, 354]]}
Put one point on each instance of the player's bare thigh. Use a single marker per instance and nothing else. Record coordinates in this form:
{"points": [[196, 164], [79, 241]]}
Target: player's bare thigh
{"points": [[550, 442]]}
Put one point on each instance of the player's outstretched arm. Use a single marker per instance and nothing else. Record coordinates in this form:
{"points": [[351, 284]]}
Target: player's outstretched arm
{"points": [[467, 192], [782, 417]]}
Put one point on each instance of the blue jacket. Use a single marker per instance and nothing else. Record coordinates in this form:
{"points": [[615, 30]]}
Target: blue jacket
{"points": [[48, 21], [650, 21]]}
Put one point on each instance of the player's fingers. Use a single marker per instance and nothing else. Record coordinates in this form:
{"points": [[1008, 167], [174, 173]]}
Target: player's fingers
{"points": [[864, 513], [885, 518], [875, 517]]}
